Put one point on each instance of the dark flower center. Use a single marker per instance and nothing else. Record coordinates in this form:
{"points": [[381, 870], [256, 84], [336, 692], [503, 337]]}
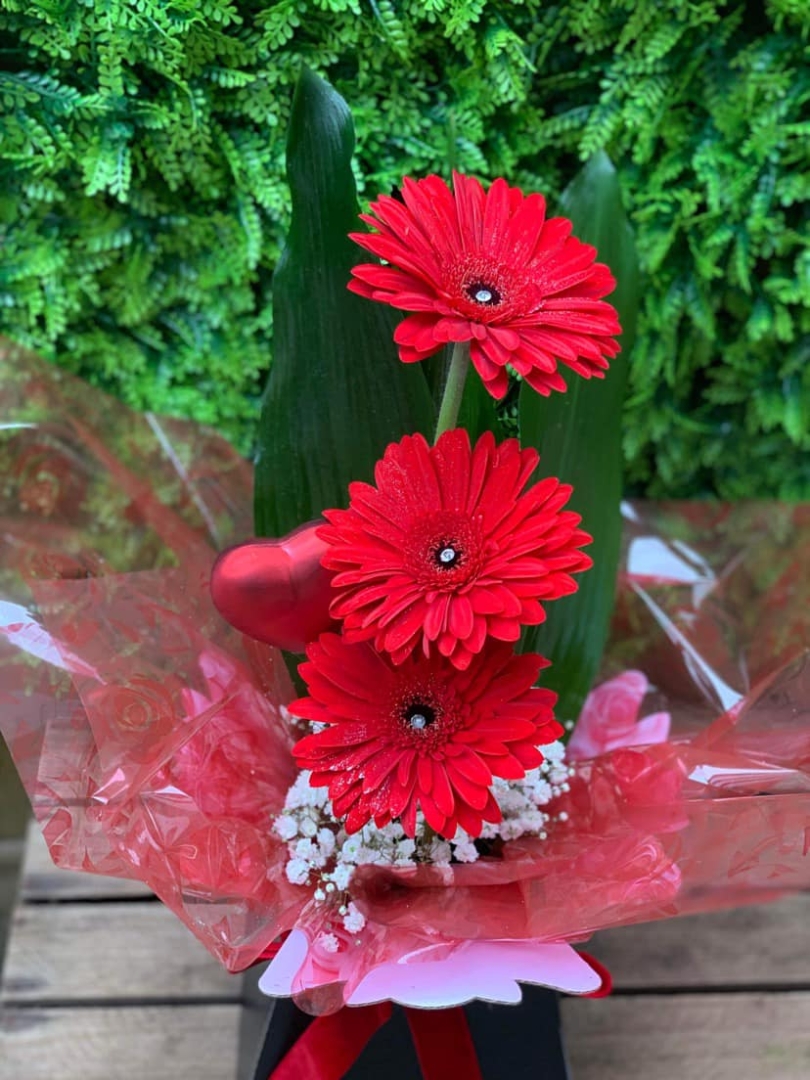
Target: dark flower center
{"points": [[447, 555], [426, 710], [483, 293], [443, 549], [419, 716]]}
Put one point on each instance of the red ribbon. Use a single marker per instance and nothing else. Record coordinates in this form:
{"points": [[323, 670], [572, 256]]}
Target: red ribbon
{"points": [[272, 950], [443, 1043], [331, 1044], [606, 989]]}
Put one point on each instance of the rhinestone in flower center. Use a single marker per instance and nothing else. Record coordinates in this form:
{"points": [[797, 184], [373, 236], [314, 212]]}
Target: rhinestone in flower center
{"points": [[419, 716], [425, 713], [483, 293], [447, 556], [443, 549]]}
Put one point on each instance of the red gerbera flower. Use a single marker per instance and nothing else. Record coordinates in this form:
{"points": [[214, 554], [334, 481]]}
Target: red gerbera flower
{"points": [[491, 269], [421, 735], [448, 549]]}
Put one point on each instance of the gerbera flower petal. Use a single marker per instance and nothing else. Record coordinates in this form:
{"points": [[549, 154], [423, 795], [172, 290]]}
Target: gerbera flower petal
{"points": [[435, 617], [504, 629], [472, 821], [406, 774], [486, 601], [411, 293], [446, 643], [472, 768], [462, 619], [493, 375], [489, 268], [378, 769], [418, 332], [527, 756], [437, 738], [404, 629], [442, 790], [470, 201], [424, 774], [544, 382], [433, 815], [408, 819], [356, 819]]}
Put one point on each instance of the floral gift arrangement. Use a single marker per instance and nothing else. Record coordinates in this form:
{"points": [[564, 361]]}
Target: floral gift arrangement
{"points": [[367, 732]]}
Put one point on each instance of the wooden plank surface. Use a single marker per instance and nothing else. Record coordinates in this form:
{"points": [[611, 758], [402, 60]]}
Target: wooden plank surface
{"points": [[656, 1037], [714, 1036], [10, 857], [41, 880], [50, 955], [94, 952], [148, 1043], [755, 947]]}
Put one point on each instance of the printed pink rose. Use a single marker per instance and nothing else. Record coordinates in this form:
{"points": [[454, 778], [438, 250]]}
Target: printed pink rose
{"points": [[609, 719]]}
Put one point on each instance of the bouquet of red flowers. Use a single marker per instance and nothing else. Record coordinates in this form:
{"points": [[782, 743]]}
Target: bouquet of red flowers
{"points": [[398, 817]]}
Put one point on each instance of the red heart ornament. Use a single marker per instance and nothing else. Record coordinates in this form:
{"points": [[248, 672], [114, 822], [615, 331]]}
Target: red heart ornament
{"points": [[275, 590]]}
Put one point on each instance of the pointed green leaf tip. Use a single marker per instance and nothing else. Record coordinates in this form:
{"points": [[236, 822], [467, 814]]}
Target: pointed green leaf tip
{"points": [[579, 436], [337, 392]]}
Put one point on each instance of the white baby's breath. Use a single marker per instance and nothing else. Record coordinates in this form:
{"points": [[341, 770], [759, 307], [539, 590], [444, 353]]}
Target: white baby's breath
{"points": [[354, 920], [297, 872]]}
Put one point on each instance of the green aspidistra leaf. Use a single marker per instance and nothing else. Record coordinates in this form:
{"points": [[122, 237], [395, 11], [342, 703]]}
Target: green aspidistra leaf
{"points": [[578, 434], [337, 392]]}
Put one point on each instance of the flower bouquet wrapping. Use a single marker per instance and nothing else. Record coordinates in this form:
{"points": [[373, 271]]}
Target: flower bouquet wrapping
{"points": [[435, 805]]}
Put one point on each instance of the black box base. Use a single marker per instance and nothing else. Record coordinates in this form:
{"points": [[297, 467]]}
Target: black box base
{"points": [[513, 1042]]}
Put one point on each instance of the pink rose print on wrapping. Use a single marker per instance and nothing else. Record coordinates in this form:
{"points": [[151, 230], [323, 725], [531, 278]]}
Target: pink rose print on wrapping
{"points": [[227, 764], [635, 871], [609, 719]]}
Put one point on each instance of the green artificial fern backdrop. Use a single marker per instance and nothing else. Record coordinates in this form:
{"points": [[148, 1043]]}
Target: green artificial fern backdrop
{"points": [[143, 201]]}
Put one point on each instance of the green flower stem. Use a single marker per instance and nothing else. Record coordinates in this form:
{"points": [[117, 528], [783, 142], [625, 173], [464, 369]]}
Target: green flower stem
{"points": [[453, 388]]}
